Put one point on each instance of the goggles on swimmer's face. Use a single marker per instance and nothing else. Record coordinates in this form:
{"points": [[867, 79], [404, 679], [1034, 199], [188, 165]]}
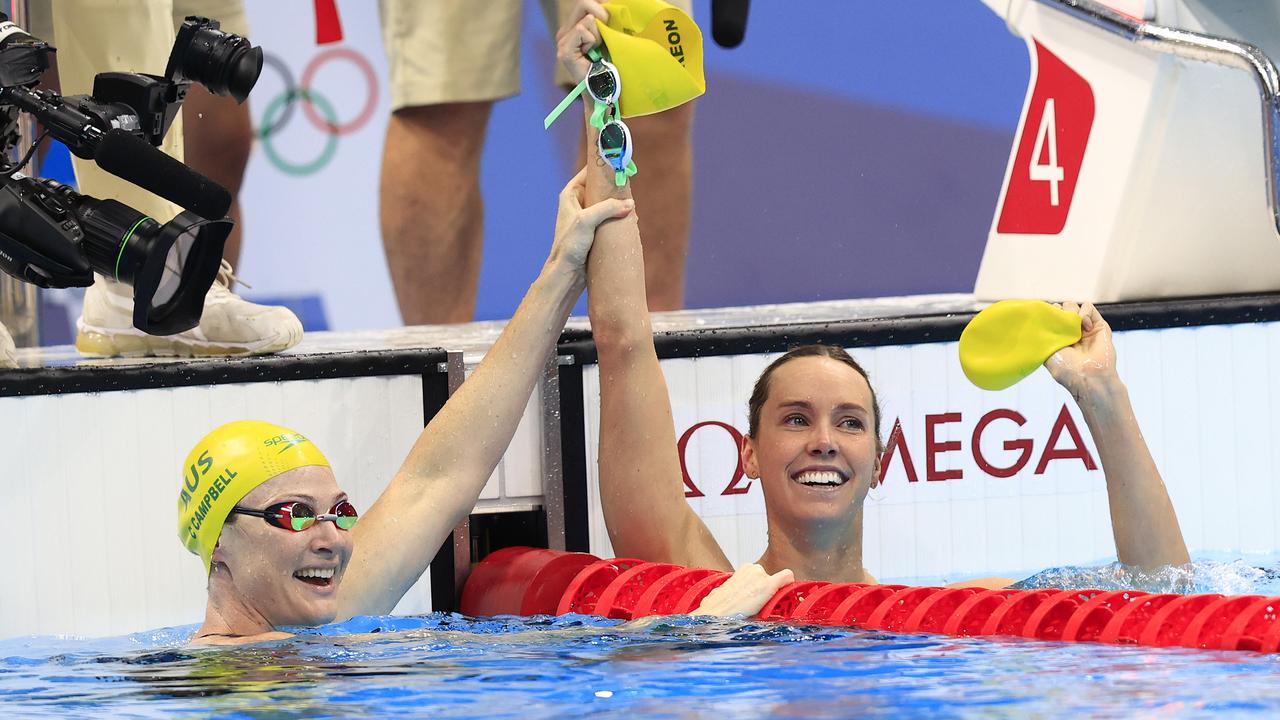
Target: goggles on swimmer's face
{"points": [[298, 516]]}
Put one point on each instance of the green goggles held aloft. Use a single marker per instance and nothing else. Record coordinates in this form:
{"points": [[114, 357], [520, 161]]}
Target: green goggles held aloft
{"points": [[603, 84]]}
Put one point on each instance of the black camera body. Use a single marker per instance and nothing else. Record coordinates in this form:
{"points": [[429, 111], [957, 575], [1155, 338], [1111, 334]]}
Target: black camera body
{"points": [[39, 238], [53, 237]]}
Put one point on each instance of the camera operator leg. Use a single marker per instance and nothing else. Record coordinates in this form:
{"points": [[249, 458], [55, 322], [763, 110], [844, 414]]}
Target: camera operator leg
{"points": [[431, 210], [96, 36], [218, 131], [219, 138], [449, 61]]}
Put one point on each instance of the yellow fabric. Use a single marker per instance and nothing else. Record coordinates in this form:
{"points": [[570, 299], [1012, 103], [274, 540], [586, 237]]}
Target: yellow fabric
{"points": [[224, 466], [657, 49], [448, 51], [1010, 339]]}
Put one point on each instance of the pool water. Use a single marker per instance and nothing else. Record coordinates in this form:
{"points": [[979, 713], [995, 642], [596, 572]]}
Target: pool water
{"points": [[444, 665]]}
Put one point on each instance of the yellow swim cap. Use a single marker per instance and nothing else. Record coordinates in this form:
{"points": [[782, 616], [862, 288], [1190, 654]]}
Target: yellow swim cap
{"points": [[1010, 339], [657, 49], [224, 466]]}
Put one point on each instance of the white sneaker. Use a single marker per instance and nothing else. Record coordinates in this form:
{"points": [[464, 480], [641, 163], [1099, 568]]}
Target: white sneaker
{"points": [[230, 325], [8, 353]]}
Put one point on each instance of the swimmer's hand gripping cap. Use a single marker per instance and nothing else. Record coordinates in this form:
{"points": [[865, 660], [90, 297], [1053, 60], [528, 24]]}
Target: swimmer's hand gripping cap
{"points": [[224, 466], [1010, 339], [657, 49]]}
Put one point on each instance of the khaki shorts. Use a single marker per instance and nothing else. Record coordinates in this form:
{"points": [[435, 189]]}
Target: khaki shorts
{"points": [[230, 13], [94, 36], [445, 51]]}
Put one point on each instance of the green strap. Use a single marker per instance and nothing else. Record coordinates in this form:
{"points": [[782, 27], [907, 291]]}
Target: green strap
{"points": [[598, 115], [564, 104], [620, 177], [593, 54]]}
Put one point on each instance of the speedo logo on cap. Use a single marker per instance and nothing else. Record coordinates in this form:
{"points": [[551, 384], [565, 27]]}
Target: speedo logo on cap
{"points": [[285, 440]]}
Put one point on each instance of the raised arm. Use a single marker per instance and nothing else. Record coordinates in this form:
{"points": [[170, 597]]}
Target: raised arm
{"points": [[438, 483], [640, 481], [1143, 521]]}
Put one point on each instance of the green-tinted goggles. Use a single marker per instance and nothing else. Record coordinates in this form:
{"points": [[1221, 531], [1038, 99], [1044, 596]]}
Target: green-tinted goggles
{"points": [[603, 84], [614, 145], [298, 516]]}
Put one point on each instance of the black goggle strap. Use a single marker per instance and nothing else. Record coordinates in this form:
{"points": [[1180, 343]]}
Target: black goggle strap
{"points": [[594, 55]]}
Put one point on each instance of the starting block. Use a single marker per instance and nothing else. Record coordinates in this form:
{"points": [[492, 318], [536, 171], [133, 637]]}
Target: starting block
{"points": [[1145, 162]]}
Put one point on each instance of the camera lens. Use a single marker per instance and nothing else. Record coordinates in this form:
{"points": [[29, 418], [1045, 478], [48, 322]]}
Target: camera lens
{"points": [[226, 64], [182, 261], [176, 258], [170, 266]]}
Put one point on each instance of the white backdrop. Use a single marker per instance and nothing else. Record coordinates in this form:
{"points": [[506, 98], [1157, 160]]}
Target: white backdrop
{"points": [[1204, 397], [91, 530], [317, 232]]}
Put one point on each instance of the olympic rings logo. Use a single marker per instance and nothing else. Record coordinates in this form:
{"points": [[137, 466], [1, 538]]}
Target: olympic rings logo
{"points": [[317, 109]]}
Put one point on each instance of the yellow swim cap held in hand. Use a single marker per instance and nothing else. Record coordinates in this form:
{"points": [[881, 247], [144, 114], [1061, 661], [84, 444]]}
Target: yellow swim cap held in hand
{"points": [[657, 49], [224, 466], [1010, 339]]}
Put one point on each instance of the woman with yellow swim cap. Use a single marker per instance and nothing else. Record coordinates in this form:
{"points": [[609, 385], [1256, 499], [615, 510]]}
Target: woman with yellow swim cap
{"points": [[262, 508], [814, 438]]}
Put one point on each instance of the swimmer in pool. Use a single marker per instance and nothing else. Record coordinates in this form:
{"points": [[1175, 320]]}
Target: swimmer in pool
{"points": [[267, 516], [814, 439], [283, 545]]}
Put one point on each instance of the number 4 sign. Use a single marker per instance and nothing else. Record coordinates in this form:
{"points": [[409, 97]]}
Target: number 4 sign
{"points": [[1047, 164]]}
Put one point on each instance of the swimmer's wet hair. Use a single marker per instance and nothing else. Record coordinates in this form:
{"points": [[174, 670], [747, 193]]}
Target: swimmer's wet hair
{"points": [[761, 391]]}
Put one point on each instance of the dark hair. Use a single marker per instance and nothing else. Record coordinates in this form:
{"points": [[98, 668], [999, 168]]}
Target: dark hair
{"points": [[761, 391]]}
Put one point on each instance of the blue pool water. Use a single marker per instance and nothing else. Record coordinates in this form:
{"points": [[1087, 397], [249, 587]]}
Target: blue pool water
{"points": [[444, 665]]}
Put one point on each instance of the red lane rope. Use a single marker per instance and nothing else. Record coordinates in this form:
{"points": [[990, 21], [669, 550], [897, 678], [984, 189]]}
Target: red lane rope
{"points": [[524, 581]]}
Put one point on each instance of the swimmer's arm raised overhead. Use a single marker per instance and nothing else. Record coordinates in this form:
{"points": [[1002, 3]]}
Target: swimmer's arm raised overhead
{"points": [[1143, 520], [438, 483], [640, 488]]}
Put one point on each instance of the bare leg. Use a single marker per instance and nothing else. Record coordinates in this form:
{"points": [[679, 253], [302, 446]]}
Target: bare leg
{"points": [[431, 209], [664, 189], [218, 140]]}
